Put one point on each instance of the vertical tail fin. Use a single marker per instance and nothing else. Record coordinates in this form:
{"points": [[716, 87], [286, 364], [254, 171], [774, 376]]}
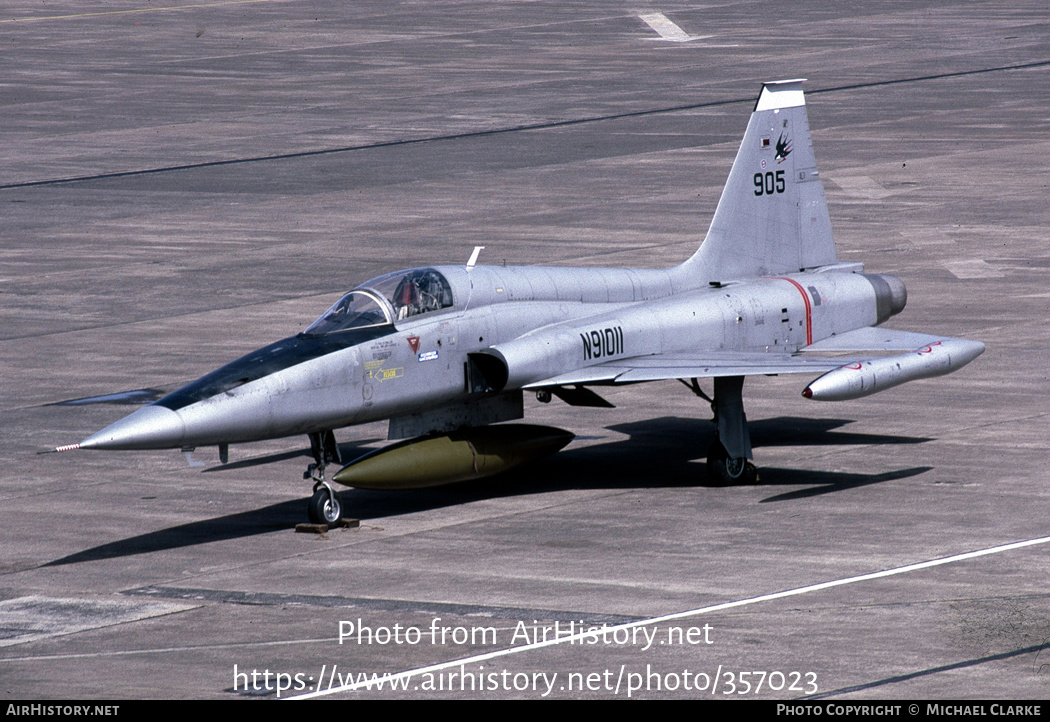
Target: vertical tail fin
{"points": [[772, 217]]}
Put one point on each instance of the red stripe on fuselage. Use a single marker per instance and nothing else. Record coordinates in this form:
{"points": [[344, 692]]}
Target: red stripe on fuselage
{"points": [[809, 309]]}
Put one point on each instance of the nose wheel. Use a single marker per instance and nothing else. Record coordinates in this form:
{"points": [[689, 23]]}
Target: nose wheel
{"points": [[325, 507]]}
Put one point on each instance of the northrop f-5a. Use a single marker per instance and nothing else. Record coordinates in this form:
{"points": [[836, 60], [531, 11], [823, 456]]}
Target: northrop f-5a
{"points": [[447, 352]]}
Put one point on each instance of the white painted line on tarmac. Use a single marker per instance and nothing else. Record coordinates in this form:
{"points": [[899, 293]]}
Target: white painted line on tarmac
{"points": [[973, 268], [667, 29], [386, 681]]}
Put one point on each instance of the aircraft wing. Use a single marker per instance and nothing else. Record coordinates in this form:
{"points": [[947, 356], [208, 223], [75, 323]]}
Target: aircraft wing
{"points": [[657, 367], [859, 346]]}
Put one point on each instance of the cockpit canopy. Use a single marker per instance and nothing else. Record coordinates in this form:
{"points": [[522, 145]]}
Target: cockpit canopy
{"points": [[383, 300], [410, 293]]}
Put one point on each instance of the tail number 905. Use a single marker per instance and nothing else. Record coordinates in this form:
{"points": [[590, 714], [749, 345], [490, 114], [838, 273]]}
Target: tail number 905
{"points": [[769, 183]]}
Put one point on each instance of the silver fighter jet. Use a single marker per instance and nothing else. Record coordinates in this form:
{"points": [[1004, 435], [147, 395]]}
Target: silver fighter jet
{"points": [[445, 352]]}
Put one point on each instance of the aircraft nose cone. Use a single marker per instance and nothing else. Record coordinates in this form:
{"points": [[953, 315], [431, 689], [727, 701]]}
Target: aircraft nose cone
{"points": [[152, 427]]}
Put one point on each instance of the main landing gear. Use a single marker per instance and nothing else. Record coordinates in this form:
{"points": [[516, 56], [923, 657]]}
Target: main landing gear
{"points": [[728, 458], [726, 470], [324, 506]]}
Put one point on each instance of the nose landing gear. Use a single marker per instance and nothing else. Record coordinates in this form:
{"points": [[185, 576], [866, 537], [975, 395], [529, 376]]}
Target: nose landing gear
{"points": [[324, 507]]}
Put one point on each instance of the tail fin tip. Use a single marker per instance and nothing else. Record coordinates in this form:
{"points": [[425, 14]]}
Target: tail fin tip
{"points": [[777, 94]]}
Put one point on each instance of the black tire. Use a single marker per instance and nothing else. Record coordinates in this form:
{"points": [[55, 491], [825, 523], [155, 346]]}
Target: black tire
{"points": [[723, 470], [325, 508]]}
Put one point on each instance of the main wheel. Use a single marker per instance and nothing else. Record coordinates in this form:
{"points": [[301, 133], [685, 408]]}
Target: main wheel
{"points": [[324, 508], [724, 470]]}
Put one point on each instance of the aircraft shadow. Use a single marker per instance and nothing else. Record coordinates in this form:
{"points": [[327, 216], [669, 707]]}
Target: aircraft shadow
{"points": [[664, 452], [275, 517], [679, 446]]}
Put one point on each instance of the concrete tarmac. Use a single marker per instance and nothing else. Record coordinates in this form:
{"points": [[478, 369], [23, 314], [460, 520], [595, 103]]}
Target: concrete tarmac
{"points": [[184, 182]]}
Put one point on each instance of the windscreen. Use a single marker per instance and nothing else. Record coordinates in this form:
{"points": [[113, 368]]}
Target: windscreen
{"points": [[357, 309]]}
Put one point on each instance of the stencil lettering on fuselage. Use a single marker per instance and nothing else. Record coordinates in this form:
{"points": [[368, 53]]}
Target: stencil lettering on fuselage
{"points": [[602, 343]]}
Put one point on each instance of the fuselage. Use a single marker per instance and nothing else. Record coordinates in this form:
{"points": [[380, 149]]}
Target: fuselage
{"points": [[404, 343]]}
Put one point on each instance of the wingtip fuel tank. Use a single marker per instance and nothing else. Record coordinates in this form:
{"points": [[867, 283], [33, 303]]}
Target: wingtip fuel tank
{"points": [[863, 378], [469, 453]]}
